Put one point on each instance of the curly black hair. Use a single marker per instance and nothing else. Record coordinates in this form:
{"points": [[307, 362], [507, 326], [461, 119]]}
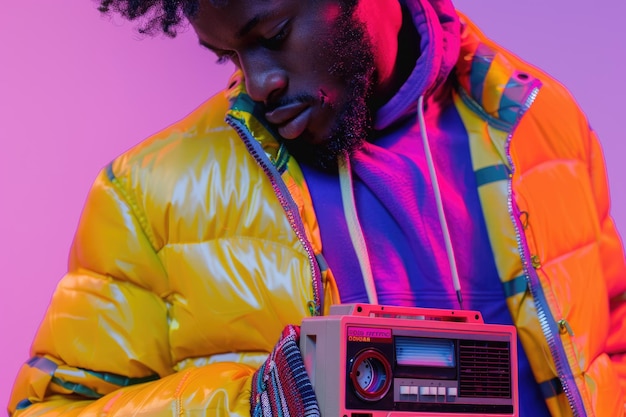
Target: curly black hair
{"points": [[165, 16]]}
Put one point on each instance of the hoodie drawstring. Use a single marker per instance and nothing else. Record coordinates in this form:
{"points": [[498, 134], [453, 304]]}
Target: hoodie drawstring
{"points": [[354, 228], [356, 232], [437, 191]]}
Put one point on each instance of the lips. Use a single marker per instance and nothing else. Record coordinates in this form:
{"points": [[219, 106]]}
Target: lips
{"points": [[291, 119]]}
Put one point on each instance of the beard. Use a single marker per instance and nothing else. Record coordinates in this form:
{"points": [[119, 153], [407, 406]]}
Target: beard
{"points": [[353, 62]]}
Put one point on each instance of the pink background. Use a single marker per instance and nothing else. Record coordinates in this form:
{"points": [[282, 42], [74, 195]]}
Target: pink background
{"points": [[76, 90]]}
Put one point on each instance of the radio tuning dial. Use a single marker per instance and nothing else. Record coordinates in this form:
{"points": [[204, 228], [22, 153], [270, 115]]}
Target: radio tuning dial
{"points": [[370, 373], [365, 374]]}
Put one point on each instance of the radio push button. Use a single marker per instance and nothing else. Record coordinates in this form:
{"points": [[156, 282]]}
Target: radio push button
{"points": [[409, 393], [408, 389], [452, 392]]}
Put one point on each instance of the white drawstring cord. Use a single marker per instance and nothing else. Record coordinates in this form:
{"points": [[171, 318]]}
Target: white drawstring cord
{"points": [[442, 217], [354, 228]]}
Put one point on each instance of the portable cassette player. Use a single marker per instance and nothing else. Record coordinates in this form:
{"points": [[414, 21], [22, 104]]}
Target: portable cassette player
{"points": [[371, 361]]}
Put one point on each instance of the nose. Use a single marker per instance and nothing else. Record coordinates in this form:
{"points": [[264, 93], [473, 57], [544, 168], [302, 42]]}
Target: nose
{"points": [[265, 80]]}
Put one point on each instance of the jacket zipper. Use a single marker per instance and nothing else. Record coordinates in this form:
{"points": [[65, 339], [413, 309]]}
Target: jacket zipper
{"points": [[548, 327], [286, 201]]}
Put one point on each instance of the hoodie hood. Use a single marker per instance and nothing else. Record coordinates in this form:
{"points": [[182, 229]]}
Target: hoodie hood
{"points": [[438, 26]]}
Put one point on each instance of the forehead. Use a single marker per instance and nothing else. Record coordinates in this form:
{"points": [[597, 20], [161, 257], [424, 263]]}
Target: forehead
{"points": [[225, 18], [234, 8], [226, 21]]}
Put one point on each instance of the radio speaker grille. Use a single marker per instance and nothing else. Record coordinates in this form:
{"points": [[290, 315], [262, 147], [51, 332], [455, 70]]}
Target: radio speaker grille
{"points": [[485, 369]]}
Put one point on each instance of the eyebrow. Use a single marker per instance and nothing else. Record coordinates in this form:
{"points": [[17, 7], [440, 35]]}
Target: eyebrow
{"points": [[252, 23]]}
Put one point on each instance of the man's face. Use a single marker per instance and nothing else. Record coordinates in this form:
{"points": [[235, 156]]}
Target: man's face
{"points": [[310, 62]]}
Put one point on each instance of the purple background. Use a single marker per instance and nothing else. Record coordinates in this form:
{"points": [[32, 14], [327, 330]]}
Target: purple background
{"points": [[76, 90]]}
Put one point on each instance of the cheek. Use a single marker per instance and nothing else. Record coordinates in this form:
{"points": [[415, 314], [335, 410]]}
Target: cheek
{"points": [[310, 69], [330, 13], [316, 36], [333, 95]]}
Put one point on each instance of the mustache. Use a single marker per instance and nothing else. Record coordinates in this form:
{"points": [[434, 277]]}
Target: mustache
{"points": [[296, 99]]}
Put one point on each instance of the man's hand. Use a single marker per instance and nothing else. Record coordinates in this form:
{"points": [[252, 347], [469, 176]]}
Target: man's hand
{"points": [[281, 386]]}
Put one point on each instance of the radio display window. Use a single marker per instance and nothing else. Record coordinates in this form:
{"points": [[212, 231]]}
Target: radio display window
{"points": [[425, 352]]}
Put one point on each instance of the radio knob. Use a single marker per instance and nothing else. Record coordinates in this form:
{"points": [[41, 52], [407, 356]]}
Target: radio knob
{"points": [[370, 374]]}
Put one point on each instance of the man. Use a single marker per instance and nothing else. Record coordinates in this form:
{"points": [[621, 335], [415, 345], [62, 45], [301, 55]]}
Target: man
{"points": [[379, 151]]}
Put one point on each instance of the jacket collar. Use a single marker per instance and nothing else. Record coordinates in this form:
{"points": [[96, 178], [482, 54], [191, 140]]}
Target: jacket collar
{"points": [[491, 83], [250, 114]]}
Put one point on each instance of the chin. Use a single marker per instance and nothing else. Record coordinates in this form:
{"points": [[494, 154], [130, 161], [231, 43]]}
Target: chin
{"points": [[316, 139]]}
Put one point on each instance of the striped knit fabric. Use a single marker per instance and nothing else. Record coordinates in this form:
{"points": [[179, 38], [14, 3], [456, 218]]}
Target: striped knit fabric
{"points": [[281, 386]]}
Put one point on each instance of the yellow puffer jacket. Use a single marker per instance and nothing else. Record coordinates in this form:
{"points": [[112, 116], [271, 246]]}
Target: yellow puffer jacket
{"points": [[196, 248]]}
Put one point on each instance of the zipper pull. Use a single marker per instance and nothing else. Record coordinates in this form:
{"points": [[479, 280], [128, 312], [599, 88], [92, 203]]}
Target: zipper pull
{"points": [[565, 327]]}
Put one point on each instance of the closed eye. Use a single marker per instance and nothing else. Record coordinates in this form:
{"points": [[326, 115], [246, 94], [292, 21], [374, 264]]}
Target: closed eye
{"points": [[225, 57], [275, 42]]}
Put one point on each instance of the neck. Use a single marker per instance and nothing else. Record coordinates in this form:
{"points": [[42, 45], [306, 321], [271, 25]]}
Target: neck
{"points": [[408, 53]]}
